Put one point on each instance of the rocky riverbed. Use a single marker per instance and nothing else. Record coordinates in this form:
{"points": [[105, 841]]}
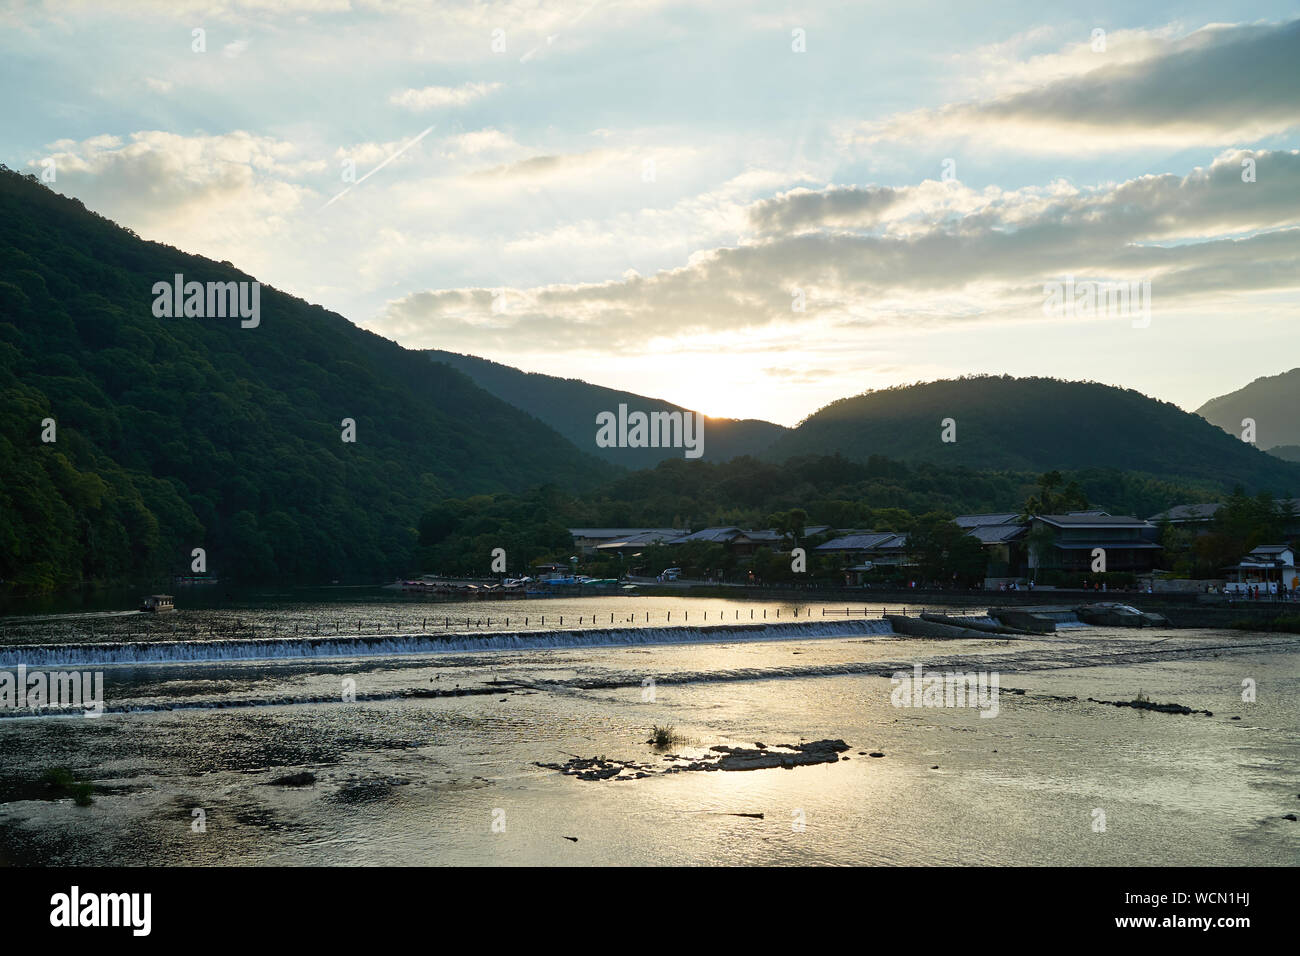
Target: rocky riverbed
{"points": [[718, 757]]}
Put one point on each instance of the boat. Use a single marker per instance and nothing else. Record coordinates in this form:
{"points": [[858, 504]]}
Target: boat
{"points": [[157, 603]]}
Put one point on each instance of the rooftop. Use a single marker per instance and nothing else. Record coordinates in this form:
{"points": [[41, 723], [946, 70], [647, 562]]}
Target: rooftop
{"points": [[976, 521], [720, 535], [1188, 513], [997, 533], [1092, 520], [1206, 512], [872, 541], [610, 533], [641, 539]]}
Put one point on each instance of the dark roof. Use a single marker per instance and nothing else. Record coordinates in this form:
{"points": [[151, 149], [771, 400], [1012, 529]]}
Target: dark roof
{"points": [[976, 521], [1206, 512], [997, 533], [1109, 546], [721, 535], [1271, 549], [1093, 521], [612, 533], [644, 538], [1188, 513], [872, 541]]}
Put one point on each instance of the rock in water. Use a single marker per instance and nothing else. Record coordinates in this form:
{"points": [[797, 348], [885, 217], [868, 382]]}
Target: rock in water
{"points": [[304, 779]]}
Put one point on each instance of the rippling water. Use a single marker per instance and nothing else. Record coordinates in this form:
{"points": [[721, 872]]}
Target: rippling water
{"points": [[434, 760]]}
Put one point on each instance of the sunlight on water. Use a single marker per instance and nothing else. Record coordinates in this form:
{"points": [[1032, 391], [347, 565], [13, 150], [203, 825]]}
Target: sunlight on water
{"points": [[441, 740]]}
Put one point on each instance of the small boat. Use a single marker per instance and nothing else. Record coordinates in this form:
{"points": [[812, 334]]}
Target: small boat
{"points": [[157, 603]]}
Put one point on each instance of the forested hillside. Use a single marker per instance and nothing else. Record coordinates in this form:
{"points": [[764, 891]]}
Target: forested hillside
{"points": [[177, 433]]}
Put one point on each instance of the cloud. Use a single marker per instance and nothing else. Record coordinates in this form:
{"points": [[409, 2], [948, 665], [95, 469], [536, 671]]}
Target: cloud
{"points": [[987, 258], [440, 97], [1207, 201], [1222, 84], [206, 194], [859, 207], [548, 167]]}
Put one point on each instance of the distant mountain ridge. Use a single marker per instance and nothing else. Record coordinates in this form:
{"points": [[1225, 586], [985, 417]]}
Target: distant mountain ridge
{"points": [[570, 406], [1272, 402], [1001, 422]]}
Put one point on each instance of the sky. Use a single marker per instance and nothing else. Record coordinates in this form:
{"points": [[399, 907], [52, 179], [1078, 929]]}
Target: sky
{"points": [[747, 208]]}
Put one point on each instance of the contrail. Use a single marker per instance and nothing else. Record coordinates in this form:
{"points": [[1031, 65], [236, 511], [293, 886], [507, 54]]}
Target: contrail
{"points": [[551, 39], [379, 167]]}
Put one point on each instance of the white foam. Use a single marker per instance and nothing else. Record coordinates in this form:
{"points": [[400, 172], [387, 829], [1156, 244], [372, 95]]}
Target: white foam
{"points": [[394, 645]]}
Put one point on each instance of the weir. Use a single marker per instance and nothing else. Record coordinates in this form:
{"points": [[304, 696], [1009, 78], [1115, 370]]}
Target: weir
{"points": [[395, 645]]}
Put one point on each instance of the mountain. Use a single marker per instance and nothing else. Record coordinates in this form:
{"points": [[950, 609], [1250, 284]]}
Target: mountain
{"points": [[1286, 452], [178, 433], [1037, 424], [1273, 402], [570, 407]]}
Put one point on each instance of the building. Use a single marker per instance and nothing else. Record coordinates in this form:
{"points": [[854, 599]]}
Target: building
{"points": [[715, 535], [1001, 534], [738, 541], [997, 519], [587, 540], [1075, 538], [1199, 516], [1270, 567], [874, 547], [1185, 515], [633, 543]]}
